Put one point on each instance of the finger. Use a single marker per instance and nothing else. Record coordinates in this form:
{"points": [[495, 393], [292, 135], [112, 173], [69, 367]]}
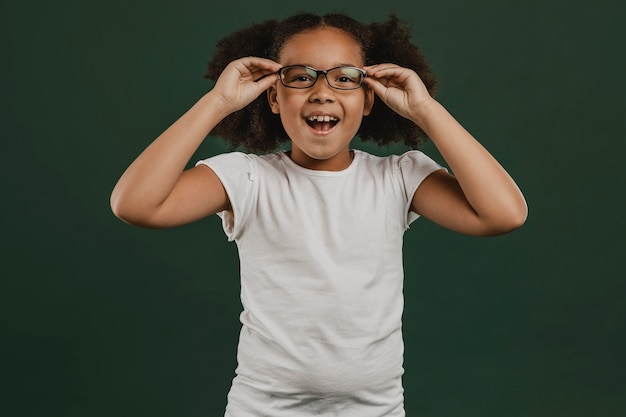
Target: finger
{"points": [[266, 81], [376, 86], [390, 73], [375, 69], [259, 74], [264, 64], [381, 65], [251, 68]]}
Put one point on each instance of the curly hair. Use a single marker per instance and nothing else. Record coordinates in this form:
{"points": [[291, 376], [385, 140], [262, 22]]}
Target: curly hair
{"points": [[256, 129]]}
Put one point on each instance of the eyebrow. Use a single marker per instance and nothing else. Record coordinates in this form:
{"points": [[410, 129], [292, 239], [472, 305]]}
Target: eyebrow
{"points": [[334, 66]]}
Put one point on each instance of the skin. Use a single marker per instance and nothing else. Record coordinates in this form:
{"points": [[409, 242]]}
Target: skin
{"points": [[327, 150], [479, 199]]}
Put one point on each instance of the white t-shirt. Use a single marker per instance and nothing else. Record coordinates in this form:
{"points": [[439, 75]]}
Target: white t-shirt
{"points": [[321, 282]]}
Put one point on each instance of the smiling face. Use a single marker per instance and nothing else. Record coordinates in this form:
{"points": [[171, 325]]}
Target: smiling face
{"points": [[320, 120]]}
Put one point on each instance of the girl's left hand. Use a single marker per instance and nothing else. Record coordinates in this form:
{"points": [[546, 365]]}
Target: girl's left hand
{"points": [[399, 88]]}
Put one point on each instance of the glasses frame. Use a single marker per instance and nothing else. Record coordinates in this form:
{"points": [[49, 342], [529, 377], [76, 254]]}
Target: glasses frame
{"points": [[317, 75]]}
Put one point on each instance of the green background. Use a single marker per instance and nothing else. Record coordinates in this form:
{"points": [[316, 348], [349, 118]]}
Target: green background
{"points": [[99, 318]]}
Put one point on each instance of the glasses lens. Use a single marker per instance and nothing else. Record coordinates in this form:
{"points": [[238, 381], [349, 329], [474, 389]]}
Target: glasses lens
{"points": [[345, 78], [298, 76]]}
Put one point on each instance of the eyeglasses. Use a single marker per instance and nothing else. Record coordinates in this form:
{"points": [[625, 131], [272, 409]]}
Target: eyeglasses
{"points": [[341, 78]]}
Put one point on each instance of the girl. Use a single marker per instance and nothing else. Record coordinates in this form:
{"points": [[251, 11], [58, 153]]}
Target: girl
{"points": [[319, 228]]}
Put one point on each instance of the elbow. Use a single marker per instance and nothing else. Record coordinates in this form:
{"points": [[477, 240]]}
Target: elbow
{"points": [[135, 214], [511, 213], [511, 224], [131, 217], [510, 220], [518, 214], [521, 217], [125, 210], [120, 209]]}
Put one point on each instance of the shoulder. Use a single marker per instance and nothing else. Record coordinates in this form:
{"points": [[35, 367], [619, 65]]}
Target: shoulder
{"points": [[235, 161], [225, 160], [409, 159]]}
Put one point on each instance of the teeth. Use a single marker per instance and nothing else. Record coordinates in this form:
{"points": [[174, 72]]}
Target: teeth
{"points": [[325, 118]]}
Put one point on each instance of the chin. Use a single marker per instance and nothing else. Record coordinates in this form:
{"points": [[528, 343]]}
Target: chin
{"points": [[322, 155]]}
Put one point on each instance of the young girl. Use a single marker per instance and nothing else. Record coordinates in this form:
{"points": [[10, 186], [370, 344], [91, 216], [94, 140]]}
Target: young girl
{"points": [[319, 228]]}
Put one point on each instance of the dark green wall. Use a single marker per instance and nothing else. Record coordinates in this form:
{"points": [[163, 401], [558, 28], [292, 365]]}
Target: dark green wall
{"points": [[102, 319]]}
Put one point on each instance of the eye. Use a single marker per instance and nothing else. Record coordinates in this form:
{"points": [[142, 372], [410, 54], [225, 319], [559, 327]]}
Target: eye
{"points": [[346, 77], [301, 78], [298, 76]]}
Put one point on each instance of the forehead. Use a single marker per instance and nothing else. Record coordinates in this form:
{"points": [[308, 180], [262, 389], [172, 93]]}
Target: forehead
{"points": [[322, 48]]}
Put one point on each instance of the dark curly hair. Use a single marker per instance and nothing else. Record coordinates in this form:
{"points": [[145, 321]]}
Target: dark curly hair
{"points": [[256, 129]]}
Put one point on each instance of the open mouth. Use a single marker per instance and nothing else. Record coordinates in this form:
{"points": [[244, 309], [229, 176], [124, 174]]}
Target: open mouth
{"points": [[322, 123]]}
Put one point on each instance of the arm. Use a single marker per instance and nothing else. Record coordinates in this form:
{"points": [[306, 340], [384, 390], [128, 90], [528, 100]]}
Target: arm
{"points": [[156, 190], [481, 198]]}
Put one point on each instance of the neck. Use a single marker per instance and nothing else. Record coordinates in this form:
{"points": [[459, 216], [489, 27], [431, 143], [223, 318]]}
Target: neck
{"points": [[337, 162]]}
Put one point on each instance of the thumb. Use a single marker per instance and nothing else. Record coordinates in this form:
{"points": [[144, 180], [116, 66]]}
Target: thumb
{"points": [[266, 81], [376, 86]]}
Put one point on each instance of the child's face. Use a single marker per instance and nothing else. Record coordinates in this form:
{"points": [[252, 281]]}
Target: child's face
{"points": [[321, 145]]}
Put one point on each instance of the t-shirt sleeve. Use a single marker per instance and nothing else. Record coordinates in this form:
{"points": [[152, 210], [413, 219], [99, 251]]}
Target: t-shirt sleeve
{"points": [[414, 167], [236, 171]]}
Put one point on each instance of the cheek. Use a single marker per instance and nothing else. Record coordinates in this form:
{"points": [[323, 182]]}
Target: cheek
{"points": [[290, 104], [359, 106], [282, 101]]}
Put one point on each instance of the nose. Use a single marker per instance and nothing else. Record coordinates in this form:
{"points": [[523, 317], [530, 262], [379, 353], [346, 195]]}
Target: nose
{"points": [[321, 91]]}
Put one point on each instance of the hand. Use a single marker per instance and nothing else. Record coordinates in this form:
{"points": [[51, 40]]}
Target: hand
{"points": [[399, 88], [243, 80]]}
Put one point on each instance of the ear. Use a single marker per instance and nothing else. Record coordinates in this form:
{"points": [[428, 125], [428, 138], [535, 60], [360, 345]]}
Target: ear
{"points": [[273, 99], [369, 101]]}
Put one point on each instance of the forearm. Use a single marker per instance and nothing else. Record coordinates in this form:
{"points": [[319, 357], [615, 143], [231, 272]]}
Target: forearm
{"points": [[488, 188], [149, 180]]}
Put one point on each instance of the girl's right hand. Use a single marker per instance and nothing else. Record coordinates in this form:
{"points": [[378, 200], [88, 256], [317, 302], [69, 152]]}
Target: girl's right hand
{"points": [[243, 80]]}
